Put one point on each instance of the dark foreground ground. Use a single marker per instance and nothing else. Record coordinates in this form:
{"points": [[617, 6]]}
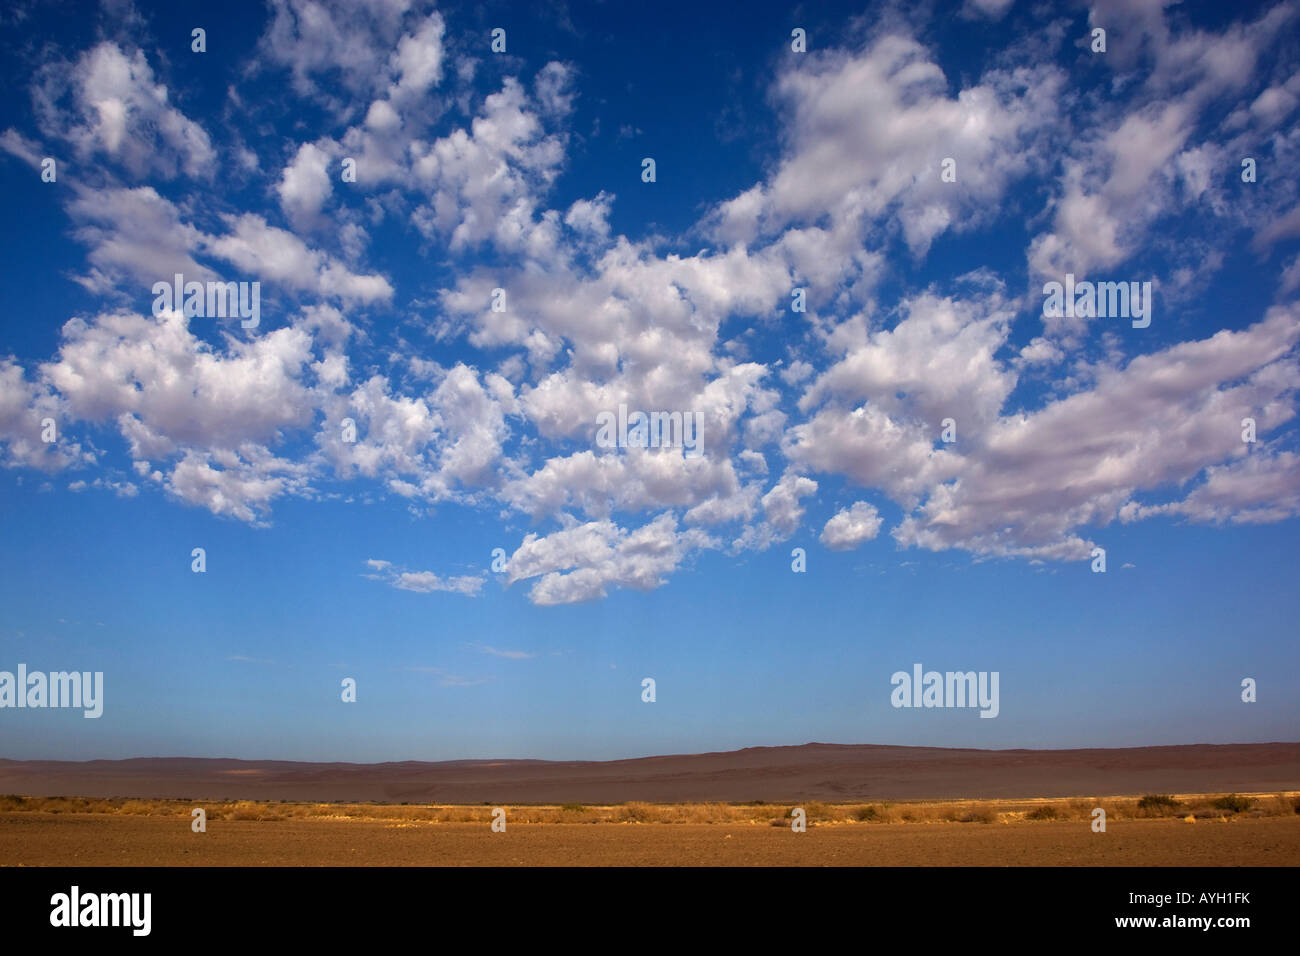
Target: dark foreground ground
{"points": [[75, 839]]}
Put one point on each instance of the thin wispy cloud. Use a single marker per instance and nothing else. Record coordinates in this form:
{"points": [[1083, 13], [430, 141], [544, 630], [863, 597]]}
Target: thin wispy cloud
{"points": [[425, 582], [508, 655], [447, 679]]}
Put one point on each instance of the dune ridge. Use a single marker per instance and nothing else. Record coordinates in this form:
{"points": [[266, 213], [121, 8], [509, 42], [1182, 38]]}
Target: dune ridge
{"points": [[814, 771]]}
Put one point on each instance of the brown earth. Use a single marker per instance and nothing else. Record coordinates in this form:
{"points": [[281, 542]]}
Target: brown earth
{"points": [[832, 772], [47, 839]]}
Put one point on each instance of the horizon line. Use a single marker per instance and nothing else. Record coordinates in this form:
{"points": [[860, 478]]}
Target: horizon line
{"points": [[654, 756]]}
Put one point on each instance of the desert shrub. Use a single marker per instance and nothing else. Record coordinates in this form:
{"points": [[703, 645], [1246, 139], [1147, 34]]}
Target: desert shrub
{"points": [[1080, 808], [1045, 812], [869, 812], [818, 810], [1277, 805], [704, 813], [811, 809], [1158, 804], [977, 815], [636, 812], [573, 807], [1233, 803], [251, 810]]}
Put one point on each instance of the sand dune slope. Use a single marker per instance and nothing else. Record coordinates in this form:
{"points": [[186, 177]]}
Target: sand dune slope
{"points": [[831, 772]]}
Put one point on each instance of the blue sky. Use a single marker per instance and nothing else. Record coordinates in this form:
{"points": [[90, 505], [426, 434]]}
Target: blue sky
{"points": [[476, 430]]}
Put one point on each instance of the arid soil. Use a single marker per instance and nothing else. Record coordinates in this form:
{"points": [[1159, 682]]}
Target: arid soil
{"points": [[46, 839], [1200, 805]]}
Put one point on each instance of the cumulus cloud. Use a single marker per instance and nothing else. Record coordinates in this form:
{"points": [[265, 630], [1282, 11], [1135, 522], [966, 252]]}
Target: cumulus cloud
{"points": [[1079, 461], [1255, 489], [867, 138], [136, 238], [279, 256], [425, 582], [107, 105], [28, 410], [367, 48], [305, 185], [1058, 435], [238, 484], [166, 388], [582, 562], [851, 527], [1134, 165], [483, 183]]}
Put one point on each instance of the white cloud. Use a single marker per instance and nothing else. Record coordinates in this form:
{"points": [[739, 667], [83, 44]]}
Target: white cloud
{"points": [[305, 185], [1125, 174], [168, 389], [274, 255], [1079, 461], [580, 563], [483, 184], [107, 104], [25, 407], [851, 527], [362, 46], [242, 486], [1257, 488], [867, 135], [855, 389], [992, 9], [781, 505], [425, 582], [507, 654], [136, 238]]}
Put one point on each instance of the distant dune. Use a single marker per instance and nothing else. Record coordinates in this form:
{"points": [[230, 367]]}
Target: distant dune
{"points": [[830, 772]]}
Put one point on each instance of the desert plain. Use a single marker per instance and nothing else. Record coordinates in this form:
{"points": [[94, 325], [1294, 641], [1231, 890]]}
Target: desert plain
{"points": [[1221, 805]]}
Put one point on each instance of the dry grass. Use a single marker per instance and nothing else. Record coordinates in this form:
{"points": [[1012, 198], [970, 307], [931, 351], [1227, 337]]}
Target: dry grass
{"points": [[1200, 806]]}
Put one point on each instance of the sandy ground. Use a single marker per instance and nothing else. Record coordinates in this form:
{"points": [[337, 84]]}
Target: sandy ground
{"points": [[45, 839]]}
